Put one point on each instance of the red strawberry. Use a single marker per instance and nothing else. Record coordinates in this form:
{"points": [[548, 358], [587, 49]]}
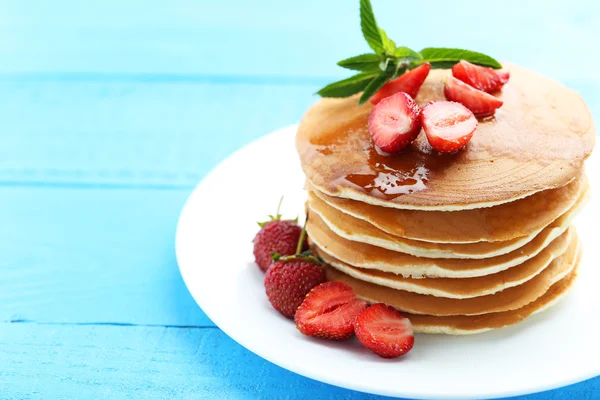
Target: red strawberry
{"points": [[449, 126], [410, 83], [384, 330], [394, 123], [329, 311], [288, 281], [276, 236], [481, 103], [482, 78]]}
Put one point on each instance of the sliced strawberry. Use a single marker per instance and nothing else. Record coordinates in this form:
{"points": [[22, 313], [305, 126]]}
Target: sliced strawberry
{"points": [[384, 330], [410, 82], [394, 123], [481, 103], [329, 311], [482, 78], [448, 125]]}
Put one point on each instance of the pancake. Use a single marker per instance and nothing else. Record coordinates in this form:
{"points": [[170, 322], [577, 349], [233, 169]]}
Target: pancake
{"points": [[458, 288], [468, 325], [538, 140], [354, 229], [366, 256], [506, 300], [501, 223]]}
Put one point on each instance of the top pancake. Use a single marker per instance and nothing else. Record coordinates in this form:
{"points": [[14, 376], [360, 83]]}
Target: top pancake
{"points": [[537, 140]]}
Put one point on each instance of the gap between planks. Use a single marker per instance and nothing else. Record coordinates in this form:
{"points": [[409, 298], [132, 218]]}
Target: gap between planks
{"points": [[117, 324]]}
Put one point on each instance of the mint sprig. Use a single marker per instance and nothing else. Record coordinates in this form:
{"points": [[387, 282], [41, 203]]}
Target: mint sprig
{"points": [[390, 61]]}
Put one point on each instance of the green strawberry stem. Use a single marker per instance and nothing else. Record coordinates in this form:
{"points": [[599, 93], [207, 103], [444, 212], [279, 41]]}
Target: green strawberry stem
{"points": [[305, 256], [277, 216], [301, 240]]}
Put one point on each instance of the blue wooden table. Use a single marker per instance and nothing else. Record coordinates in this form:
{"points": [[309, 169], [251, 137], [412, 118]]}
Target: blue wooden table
{"points": [[112, 111]]}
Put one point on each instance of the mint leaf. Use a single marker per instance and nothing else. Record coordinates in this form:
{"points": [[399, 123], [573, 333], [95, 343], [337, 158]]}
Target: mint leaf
{"points": [[406, 53], [369, 27], [388, 44], [349, 86], [364, 62], [375, 85], [441, 57]]}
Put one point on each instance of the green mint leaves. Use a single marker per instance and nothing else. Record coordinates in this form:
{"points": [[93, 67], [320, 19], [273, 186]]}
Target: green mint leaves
{"points": [[389, 61], [368, 25], [443, 57]]}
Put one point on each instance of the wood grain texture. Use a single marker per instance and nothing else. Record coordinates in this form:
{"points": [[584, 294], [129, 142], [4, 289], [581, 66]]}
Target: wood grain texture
{"points": [[127, 132], [115, 362], [92, 255]]}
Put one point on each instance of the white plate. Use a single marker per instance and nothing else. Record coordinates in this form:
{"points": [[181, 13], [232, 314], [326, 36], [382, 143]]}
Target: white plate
{"points": [[214, 251]]}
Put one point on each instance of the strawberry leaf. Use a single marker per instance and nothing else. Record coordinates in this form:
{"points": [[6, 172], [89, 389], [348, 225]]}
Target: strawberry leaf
{"points": [[441, 57], [369, 27], [349, 86], [363, 62]]}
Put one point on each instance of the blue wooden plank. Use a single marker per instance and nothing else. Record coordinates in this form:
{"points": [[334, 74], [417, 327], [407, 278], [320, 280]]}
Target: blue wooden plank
{"points": [[132, 132], [114, 362], [262, 37], [92, 255]]}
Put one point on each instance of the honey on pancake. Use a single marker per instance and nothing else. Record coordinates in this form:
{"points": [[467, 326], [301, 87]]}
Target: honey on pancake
{"points": [[386, 176]]}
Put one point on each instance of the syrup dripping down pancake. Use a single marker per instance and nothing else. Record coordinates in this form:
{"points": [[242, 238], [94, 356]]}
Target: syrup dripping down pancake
{"points": [[501, 223], [510, 299], [366, 256], [458, 288], [354, 229]]}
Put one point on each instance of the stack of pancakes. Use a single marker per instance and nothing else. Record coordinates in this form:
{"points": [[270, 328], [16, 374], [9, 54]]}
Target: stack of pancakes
{"points": [[459, 243]]}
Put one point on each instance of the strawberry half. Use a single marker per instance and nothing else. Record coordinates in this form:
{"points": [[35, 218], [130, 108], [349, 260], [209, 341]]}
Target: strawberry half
{"points": [[448, 126], [410, 83], [384, 330], [482, 78], [329, 311], [481, 103], [394, 122]]}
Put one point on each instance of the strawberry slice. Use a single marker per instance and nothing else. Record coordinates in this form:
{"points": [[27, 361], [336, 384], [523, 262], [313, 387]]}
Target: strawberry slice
{"points": [[394, 123], [384, 330], [329, 311], [449, 126], [410, 82], [482, 78], [481, 103]]}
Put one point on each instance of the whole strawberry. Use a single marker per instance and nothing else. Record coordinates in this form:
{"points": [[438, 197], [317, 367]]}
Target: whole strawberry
{"points": [[276, 236], [289, 280]]}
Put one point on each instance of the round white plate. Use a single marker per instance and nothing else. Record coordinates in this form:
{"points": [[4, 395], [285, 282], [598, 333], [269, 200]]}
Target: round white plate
{"points": [[214, 251]]}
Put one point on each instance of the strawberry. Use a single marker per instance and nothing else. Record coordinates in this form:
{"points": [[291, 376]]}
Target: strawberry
{"points": [[384, 330], [482, 78], [276, 236], [394, 122], [410, 83], [288, 280], [448, 126], [329, 311], [481, 103]]}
